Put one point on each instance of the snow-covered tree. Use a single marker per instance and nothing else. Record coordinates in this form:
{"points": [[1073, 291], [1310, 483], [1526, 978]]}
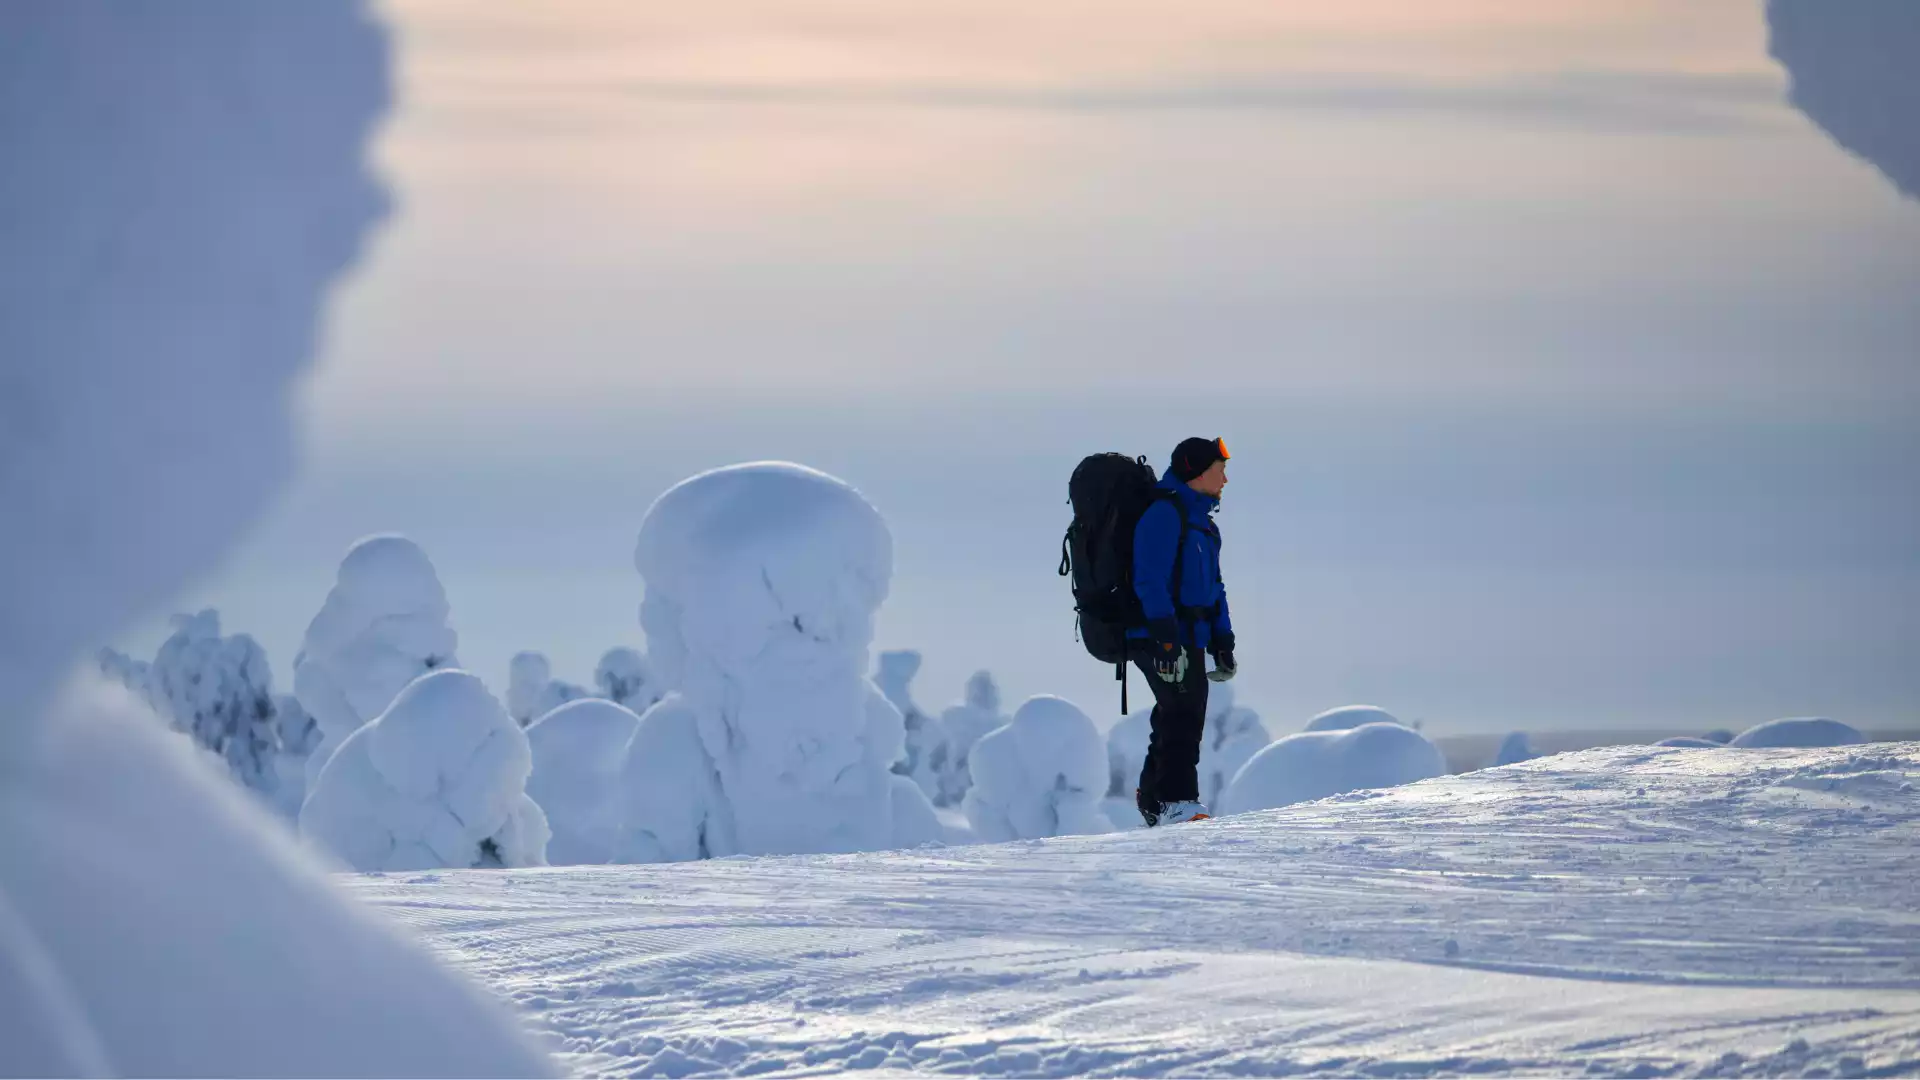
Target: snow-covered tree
{"points": [[624, 677], [1799, 731], [533, 692], [976, 714], [1042, 774], [762, 583], [926, 754], [1315, 764], [1233, 734], [298, 735], [218, 691], [384, 624], [1127, 743], [437, 780], [1351, 716], [579, 754], [1514, 749]]}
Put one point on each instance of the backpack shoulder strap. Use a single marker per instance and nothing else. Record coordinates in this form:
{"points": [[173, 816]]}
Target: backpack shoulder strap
{"points": [[1179, 547]]}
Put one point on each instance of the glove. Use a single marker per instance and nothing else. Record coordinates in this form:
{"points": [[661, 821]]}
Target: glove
{"points": [[1170, 662], [1169, 659], [1223, 666]]}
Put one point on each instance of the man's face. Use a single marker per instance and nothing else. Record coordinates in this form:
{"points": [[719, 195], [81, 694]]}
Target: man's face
{"points": [[1212, 482]]}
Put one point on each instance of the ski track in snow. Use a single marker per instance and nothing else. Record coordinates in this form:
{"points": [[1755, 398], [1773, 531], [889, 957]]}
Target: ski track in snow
{"points": [[1620, 911]]}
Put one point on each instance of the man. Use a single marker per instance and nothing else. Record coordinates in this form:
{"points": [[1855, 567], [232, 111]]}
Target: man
{"points": [[1176, 573]]}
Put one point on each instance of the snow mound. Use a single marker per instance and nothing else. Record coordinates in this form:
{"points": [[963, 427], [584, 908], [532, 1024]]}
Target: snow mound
{"points": [[1799, 732], [1350, 716], [1689, 742], [976, 714], [1719, 735], [579, 756], [438, 780], [623, 676], [926, 755], [1040, 775], [1514, 749], [1127, 742], [383, 625], [1233, 735], [532, 691], [1316, 764], [762, 583]]}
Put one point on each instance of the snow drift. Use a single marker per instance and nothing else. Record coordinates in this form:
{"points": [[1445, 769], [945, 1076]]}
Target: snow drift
{"points": [[383, 625], [1350, 716], [1315, 764], [181, 186], [579, 755], [532, 691], [438, 780], [1689, 742], [762, 583], [1799, 731], [1042, 774]]}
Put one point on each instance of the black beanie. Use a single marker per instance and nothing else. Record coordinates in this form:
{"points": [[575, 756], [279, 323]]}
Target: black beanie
{"points": [[1195, 456]]}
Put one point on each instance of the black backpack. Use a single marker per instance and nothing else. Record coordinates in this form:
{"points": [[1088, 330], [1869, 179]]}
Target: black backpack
{"points": [[1109, 492]]}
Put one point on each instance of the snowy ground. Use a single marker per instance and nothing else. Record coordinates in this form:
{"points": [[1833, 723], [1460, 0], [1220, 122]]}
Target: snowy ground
{"points": [[1619, 911]]}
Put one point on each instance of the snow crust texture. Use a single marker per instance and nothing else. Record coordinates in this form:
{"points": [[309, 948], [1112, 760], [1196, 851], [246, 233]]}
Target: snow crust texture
{"points": [[762, 583], [438, 780], [1626, 911], [383, 625], [1043, 774], [1315, 764]]}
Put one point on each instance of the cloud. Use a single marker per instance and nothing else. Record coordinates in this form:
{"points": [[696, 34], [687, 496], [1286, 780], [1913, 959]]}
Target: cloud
{"points": [[1642, 101], [1855, 71]]}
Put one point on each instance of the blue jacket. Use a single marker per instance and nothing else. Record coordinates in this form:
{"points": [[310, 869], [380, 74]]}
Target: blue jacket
{"points": [[1154, 540]]}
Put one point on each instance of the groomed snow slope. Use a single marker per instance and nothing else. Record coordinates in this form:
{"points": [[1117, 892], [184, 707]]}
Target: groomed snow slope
{"points": [[1626, 910]]}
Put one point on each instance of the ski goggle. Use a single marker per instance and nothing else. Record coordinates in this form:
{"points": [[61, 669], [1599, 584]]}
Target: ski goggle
{"points": [[1221, 445]]}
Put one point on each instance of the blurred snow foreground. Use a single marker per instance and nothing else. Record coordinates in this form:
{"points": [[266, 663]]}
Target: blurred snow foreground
{"points": [[161, 163], [762, 582]]}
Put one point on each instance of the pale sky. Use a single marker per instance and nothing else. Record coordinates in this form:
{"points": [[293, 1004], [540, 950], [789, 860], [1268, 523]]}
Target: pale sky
{"points": [[1573, 359]]}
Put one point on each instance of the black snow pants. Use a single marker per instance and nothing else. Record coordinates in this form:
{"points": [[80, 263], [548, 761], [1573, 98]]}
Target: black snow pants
{"points": [[1172, 770]]}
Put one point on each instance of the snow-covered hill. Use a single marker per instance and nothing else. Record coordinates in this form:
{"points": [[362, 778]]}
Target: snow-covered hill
{"points": [[1626, 910]]}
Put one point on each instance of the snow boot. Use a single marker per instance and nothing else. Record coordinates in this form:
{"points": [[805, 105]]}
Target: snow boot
{"points": [[1149, 808], [1175, 813]]}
